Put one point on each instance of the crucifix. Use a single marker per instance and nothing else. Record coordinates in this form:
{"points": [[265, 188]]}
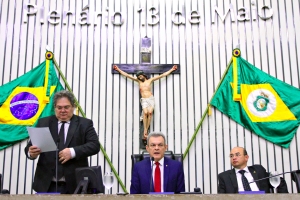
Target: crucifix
{"points": [[142, 76]]}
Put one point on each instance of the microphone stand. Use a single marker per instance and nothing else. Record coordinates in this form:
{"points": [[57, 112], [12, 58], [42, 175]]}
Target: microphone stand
{"points": [[152, 159], [56, 163], [269, 177]]}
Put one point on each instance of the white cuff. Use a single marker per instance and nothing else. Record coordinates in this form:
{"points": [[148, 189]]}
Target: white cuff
{"points": [[73, 154]]}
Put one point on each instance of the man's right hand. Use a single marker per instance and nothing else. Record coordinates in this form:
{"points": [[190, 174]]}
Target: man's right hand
{"points": [[116, 68], [34, 151]]}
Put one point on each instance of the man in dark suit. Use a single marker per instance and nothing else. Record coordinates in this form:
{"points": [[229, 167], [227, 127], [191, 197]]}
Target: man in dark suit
{"points": [[168, 175], [231, 181], [77, 140]]}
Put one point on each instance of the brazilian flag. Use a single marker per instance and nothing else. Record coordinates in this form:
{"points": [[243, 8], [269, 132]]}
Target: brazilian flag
{"points": [[26, 99], [259, 102]]}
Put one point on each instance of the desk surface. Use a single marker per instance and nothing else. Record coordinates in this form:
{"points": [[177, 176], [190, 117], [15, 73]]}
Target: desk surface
{"points": [[145, 197]]}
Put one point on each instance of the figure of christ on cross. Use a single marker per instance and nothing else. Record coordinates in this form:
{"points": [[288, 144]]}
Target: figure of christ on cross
{"points": [[147, 99]]}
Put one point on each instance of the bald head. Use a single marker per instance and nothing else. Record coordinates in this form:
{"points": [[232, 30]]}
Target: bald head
{"points": [[239, 157]]}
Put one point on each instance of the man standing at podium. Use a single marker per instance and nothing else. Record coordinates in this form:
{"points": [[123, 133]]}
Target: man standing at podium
{"points": [[238, 178], [77, 140], [157, 173]]}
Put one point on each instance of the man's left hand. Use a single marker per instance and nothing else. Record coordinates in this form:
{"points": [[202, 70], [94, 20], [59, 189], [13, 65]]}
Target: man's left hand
{"points": [[174, 67], [64, 155]]}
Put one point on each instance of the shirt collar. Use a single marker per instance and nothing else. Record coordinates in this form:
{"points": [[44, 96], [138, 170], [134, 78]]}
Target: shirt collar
{"points": [[68, 122], [161, 161], [237, 170]]}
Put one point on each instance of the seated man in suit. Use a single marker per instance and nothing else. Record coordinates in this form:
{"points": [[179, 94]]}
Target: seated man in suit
{"points": [[238, 178], [167, 174]]}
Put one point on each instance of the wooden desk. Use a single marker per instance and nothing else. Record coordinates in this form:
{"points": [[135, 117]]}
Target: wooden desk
{"points": [[150, 197]]}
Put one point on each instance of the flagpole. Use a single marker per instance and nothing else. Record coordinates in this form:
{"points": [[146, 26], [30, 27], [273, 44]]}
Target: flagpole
{"points": [[205, 112], [68, 86], [83, 114]]}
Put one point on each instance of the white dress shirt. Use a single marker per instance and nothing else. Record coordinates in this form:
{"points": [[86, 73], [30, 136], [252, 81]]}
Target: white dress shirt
{"points": [[249, 177], [161, 167], [67, 124]]}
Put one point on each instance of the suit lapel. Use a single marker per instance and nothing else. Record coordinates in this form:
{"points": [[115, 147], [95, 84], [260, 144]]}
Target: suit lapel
{"points": [[166, 173], [53, 126], [72, 129], [148, 175], [233, 179], [254, 175]]}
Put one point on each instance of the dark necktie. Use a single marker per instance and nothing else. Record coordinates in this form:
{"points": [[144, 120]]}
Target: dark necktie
{"points": [[61, 145], [61, 136], [157, 179], [245, 181]]}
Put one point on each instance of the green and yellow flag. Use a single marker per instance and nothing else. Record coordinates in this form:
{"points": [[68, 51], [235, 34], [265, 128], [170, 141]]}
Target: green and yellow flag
{"points": [[26, 99], [259, 102]]}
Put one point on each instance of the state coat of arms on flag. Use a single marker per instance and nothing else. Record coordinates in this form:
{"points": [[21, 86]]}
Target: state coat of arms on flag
{"points": [[259, 102]]}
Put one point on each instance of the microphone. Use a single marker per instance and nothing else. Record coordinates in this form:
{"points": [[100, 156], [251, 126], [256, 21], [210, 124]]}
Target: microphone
{"points": [[152, 159], [268, 177], [56, 162]]}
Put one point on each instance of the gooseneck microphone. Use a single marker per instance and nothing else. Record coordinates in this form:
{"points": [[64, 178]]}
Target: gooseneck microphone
{"points": [[152, 159], [56, 162], [269, 177]]}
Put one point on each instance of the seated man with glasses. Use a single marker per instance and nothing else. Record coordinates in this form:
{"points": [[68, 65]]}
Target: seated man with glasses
{"points": [[167, 174], [240, 177], [76, 139]]}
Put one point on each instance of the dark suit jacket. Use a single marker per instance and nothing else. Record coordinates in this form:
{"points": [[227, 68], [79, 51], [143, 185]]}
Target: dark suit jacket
{"points": [[81, 136], [228, 181], [173, 177]]}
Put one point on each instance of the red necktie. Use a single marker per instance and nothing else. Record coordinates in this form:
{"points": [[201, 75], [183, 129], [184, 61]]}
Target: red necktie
{"points": [[157, 184]]}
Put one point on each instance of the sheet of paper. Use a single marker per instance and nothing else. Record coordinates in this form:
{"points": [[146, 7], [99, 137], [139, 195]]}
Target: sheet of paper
{"points": [[42, 138]]}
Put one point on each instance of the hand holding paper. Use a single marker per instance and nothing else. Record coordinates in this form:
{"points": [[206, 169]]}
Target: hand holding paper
{"points": [[41, 138], [34, 151]]}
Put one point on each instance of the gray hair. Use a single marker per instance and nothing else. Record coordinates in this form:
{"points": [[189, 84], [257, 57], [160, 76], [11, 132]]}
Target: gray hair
{"points": [[66, 94], [156, 134]]}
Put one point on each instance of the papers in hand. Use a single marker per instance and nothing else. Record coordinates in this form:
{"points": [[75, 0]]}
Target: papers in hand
{"points": [[42, 138]]}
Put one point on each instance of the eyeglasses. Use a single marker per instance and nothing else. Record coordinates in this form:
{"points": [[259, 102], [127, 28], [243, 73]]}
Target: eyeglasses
{"points": [[63, 107], [158, 145], [235, 154]]}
